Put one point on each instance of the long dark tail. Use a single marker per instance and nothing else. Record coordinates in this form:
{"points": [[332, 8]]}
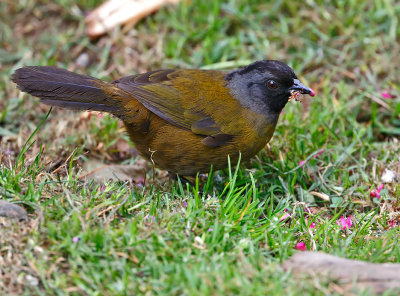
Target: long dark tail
{"points": [[59, 87]]}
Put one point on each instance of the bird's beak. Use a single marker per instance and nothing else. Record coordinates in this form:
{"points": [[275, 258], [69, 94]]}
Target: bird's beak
{"points": [[298, 86]]}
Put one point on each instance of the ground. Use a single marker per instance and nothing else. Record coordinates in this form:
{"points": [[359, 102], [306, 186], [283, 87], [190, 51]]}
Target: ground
{"points": [[152, 236]]}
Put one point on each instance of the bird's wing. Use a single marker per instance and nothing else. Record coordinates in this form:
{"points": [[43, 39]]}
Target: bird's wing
{"points": [[181, 97]]}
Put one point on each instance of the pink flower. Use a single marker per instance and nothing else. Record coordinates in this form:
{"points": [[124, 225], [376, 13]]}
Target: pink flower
{"points": [[100, 115], [392, 223], [185, 204], [75, 239], [377, 193], [209, 229], [344, 223], [301, 246], [140, 183], [301, 163], [285, 215], [312, 225], [149, 217], [387, 95]]}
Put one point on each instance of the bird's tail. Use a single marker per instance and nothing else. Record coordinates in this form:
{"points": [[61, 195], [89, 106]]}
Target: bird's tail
{"points": [[59, 87]]}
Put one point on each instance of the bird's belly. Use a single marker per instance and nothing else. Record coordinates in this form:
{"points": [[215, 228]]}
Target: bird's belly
{"points": [[181, 152]]}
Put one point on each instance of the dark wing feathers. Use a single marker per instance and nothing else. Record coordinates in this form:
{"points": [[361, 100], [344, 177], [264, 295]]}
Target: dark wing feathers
{"points": [[205, 126], [155, 90], [161, 100], [158, 76], [217, 140]]}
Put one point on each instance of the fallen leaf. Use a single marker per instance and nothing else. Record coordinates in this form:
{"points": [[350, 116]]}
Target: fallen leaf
{"points": [[116, 12], [320, 195]]}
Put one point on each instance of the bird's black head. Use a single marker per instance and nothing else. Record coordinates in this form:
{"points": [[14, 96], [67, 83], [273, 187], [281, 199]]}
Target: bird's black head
{"points": [[265, 86]]}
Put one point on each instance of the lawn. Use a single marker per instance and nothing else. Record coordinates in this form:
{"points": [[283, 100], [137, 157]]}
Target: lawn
{"points": [[154, 236]]}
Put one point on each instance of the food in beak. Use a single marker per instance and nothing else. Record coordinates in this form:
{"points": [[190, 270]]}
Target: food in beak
{"points": [[295, 95]]}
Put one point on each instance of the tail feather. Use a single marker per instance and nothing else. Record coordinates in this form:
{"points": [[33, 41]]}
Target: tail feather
{"points": [[59, 87], [83, 106]]}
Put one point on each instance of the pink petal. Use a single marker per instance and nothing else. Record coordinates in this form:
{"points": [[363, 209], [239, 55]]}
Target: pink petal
{"points": [[301, 246], [386, 95], [284, 217], [348, 222], [377, 193], [301, 163], [140, 182], [342, 223], [373, 194], [312, 225]]}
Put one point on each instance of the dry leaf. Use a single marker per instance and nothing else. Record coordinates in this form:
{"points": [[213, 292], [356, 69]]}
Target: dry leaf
{"points": [[321, 195], [116, 12]]}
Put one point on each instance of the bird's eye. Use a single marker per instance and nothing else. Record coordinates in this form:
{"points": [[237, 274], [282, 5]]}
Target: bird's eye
{"points": [[272, 84]]}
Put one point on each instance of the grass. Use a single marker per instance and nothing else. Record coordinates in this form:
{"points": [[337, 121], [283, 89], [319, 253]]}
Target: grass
{"points": [[118, 238]]}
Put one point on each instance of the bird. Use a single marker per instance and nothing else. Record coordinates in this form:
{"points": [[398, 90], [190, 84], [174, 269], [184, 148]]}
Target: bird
{"points": [[184, 121]]}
